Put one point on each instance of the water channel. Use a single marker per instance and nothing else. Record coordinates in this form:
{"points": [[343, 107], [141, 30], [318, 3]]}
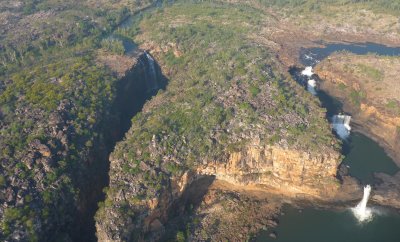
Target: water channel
{"points": [[363, 157]]}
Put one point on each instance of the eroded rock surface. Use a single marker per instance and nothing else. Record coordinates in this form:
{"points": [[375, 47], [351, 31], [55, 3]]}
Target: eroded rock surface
{"points": [[368, 87]]}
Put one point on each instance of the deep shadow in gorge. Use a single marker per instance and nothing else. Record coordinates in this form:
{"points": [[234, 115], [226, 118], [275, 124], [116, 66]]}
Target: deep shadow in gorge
{"points": [[332, 105], [181, 209], [142, 82]]}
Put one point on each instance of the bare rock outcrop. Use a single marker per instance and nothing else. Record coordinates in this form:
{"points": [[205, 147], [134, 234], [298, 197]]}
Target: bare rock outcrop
{"points": [[291, 171]]}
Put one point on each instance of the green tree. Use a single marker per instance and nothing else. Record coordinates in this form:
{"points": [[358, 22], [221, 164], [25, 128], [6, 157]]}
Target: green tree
{"points": [[180, 236]]}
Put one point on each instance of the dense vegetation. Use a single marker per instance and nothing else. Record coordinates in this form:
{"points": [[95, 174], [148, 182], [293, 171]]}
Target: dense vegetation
{"points": [[54, 98], [316, 5]]}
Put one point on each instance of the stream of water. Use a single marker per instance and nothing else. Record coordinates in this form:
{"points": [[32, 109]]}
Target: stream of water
{"points": [[363, 157]]}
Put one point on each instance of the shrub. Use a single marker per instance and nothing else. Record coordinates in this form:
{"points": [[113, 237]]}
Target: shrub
{"points": [[180, 236], [115, 46], [254, 90]]}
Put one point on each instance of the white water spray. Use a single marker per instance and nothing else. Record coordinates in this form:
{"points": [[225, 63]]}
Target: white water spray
{"points": [[341, 125], [308, 71], [308, 57], [311, 84], [361, 211], [150, 61], [151, 74]]}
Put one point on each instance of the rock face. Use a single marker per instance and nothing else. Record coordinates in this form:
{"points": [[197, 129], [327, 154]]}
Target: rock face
{"points": [[227, 214], [367, 87], [118, 220], [33, 179], [290, 170], [40, 158], [387, 193], [138, 83]]}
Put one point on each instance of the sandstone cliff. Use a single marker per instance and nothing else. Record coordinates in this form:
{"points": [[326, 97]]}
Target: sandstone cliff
{"points": [[367, 87], [139, 210], [291, 171]]}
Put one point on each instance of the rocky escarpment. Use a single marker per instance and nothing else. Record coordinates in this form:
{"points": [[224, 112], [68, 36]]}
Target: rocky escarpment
{"points": [[19, 190], [133, 216], [387, 192], [50, 188], [231, 213], [294, 172], [367, 87], [181, 136]]}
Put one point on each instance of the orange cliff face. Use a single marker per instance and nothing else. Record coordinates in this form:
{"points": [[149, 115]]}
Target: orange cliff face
{"points": [[385, 127], [288, 171], [370, 112]]}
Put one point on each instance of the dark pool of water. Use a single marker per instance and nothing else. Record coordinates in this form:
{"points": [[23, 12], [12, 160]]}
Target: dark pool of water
{"points": [[311, 56], [312, 225], [364, 157]]}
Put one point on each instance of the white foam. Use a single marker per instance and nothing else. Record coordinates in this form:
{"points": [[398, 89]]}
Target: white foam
{"points": [[308, 57], [361, 211], [341, 125], [308, 71], [311, 84]]}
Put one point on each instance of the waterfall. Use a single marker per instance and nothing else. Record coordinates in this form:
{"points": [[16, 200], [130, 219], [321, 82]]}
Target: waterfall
{"points": [[308, 71], [341, 125], [150, 62], [361, 211], [151, 70], [310, 59], [311, 84]]}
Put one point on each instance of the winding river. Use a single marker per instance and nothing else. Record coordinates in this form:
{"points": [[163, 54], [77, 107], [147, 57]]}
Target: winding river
{"points": [[363, 157]]}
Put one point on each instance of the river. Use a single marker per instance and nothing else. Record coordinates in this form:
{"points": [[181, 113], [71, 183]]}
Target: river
{"points": [[363, 157]]}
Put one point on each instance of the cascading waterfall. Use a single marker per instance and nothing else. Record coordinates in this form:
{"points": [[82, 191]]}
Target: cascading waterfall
{"points": [[361, 211], [311, 84], [341, 125], [308, 71], [151, 75], [150, 61], [340, 122]]}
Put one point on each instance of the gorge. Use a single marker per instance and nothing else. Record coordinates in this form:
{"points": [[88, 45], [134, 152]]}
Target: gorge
{"points": [[257, 165], [199, 121], [340, 123]]}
